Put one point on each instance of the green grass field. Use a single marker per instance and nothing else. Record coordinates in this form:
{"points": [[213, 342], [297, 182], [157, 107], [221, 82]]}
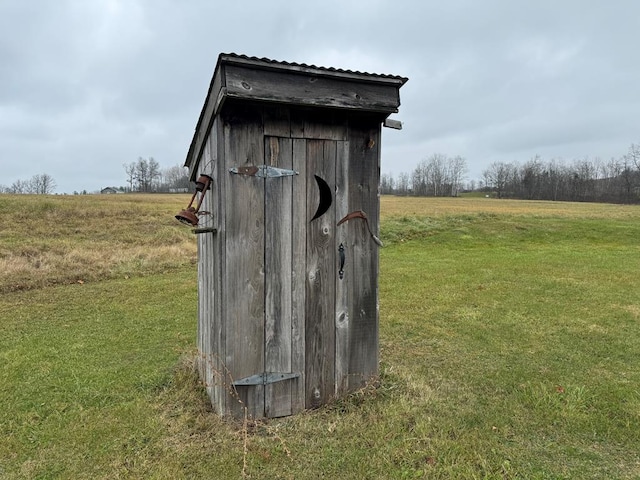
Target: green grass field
{"points": [[510, 334]]}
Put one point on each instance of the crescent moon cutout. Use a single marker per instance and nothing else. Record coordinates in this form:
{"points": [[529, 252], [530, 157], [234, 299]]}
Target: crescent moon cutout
{"points": [[325, 197]]}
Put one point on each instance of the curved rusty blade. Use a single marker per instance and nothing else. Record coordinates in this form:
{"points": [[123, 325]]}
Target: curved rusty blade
{"points": [[363, 216], [352, 215]]}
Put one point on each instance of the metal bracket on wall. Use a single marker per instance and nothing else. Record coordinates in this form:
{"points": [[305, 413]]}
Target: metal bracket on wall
{"points": [[263, 171], [395, 124], [265, 378], [204, 230]]}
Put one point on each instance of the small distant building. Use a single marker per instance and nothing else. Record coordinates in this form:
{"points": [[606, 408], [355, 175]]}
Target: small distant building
{"points": [[108, 190]]}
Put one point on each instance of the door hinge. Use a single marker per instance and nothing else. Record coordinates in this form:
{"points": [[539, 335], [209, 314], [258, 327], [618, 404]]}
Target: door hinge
{"points": [[265, 378], [263, 171]]}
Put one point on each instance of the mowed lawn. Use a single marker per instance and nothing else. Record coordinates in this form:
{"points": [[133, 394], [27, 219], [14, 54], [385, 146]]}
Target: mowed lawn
{"points": [[510, 341]]}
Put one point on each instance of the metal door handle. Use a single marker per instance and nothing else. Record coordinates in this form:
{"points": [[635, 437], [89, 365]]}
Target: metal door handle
{"points": [[342, 260]]}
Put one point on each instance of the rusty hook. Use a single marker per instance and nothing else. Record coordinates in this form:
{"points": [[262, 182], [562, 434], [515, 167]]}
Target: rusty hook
{"points": [[363, 216]]}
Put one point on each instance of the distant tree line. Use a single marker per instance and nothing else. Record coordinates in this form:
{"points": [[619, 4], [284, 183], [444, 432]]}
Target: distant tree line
{"points": [[437, 176], [40, 184], [145, 175], [586, 180]]}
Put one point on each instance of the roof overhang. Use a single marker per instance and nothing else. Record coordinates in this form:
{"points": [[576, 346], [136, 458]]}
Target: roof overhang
{"points": [[252, 79]]}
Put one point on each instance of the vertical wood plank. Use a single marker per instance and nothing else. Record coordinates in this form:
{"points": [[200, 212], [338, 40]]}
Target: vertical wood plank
{"points": [[278, 227], [298, 272], [277, 121], [342, 284], [321, 271], [203, 333], [214, 201], [298, 116], [326, 125], [244, 257], [363, 298], [206, 274]]}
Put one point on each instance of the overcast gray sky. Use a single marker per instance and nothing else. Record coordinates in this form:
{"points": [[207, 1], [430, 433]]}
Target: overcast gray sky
{"points": [[87, 85]]}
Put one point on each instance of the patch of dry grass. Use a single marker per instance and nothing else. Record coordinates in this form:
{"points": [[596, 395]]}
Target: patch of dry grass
{"points": [[65, 239], [394, 207]]}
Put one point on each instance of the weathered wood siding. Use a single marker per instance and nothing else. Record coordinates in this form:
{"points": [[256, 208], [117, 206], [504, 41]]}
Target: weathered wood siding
{"points": [[321, 274], [363, 188], [279, 225], [244, 259], [210, 334], [298, 273]]}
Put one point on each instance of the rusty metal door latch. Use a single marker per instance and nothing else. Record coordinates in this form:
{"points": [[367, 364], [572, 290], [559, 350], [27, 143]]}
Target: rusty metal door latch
{"points": [[363, 216]]}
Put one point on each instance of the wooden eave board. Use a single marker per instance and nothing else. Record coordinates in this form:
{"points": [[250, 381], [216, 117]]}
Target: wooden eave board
{"points": [[303, 89]]}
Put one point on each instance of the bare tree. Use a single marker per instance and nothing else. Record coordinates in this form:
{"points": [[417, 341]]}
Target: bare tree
{"points": [[420, 179], [42, 184], [439, 170], [145, 173], [584, 179], [498, 176], [472, 185], [386, 184], [130, 170], [439, 176], [531, 178], [154, 173], [19, 186], [142, 175], [634, 155], [628, 178], [403, 184], [176, 177], [172, 175], [457, 171], [556, 175]]}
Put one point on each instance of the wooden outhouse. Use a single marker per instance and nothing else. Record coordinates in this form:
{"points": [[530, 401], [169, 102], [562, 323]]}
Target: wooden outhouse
{"points": [[287, 243]]}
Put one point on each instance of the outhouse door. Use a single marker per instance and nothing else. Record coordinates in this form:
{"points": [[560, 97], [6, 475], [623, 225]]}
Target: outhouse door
{"points": [[283, 293]]}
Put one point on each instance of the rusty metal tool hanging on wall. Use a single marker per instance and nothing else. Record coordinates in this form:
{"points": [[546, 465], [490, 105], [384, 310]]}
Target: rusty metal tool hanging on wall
{"points": [[363, 216]]}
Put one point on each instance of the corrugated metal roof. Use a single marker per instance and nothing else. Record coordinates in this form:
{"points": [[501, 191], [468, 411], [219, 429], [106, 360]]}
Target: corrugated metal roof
{"points": [[304, 66]]}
